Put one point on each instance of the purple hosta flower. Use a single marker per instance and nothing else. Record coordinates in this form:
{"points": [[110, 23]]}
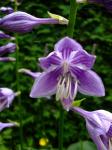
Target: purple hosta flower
{"points": [[6, 125], [7, 59], [4, 36], [8, 48], [66, 71], [99, 126], [6, 97], [22, 22], [28, 72], [6, 10]]}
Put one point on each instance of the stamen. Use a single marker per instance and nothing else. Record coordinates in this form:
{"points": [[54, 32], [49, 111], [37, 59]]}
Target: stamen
{"points": [[110, 144], [64, 88]]}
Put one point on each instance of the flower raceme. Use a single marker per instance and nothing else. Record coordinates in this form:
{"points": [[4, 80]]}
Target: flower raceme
{"points": [[99, 126], [22, 22], [67, 70]]}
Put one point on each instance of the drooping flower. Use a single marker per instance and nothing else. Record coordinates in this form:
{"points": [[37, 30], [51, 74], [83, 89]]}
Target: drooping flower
{"points": [[66, 71], [8, 48], [23, 22], [6, 97], [6, 125], [99, 126], [29, 73], [4, 36], [6, 10]]}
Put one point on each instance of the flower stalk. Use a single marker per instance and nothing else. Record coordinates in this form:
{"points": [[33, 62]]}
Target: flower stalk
{"points": [[18, 86], [72, 17]]}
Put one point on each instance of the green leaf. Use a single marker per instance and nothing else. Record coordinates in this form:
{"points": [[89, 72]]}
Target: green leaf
{"points": [[77, 103], [82, 145]]}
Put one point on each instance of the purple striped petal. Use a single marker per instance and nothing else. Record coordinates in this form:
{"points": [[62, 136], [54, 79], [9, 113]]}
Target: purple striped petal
{"points": [[22, 22], [66, 46], [8, 48], [46, 84], [89, 82], [6, 10], [7, 59], [82, 59], [53, 59], [4, 36]]}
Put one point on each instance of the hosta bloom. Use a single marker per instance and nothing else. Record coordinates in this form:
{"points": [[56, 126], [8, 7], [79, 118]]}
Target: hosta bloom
{"points": [[6, 97], [8, 48], [4, 36], [6, 10], [99, 126], [66, 71], [6, 125], [22, 22]]}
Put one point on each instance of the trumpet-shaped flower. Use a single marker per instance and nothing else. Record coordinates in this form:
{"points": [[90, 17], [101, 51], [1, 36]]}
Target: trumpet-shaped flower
{"points": [[66, 71], [6, 98], [99, 126], [23, 22], [8, 48], [6, 125]]}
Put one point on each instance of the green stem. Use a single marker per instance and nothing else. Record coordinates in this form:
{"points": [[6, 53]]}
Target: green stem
{"points": [[72, 17], [18, 87], [61, 126]]}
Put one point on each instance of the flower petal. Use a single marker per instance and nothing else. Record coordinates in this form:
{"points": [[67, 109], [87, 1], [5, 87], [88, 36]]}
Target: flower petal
{"points": [[82, 59], [53, 59], [66, 46], [45, 84], [89, 82]]}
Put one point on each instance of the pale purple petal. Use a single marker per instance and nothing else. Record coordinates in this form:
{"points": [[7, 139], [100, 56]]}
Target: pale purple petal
{"points": [[89, 82], [6, 125], [45, 85], [82, 59], [53, 59], [66, 46], [93, 134]]}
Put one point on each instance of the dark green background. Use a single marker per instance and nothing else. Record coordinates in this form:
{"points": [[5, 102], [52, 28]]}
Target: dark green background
{"points": [[93, 30]]}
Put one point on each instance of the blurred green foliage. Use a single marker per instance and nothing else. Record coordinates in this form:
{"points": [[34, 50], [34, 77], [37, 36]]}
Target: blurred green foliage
{"points": [[93, 30]]}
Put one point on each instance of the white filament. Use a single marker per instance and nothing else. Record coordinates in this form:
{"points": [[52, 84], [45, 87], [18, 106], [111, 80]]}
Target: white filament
{"points": [[64, 88]]}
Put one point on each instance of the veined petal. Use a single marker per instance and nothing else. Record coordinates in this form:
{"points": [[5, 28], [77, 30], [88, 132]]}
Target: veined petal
{"points": [[66, 46], [93, 134], [89, 82], [53, 59], [45, 84], [82, 59]]}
